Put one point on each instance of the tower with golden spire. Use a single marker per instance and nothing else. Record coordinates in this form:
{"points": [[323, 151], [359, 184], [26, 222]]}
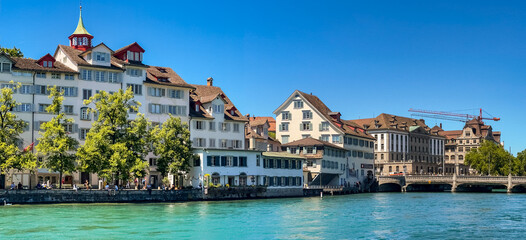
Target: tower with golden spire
{"points": [[81, 38]]}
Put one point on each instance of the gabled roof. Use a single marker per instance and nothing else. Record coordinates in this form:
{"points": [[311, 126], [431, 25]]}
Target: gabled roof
{"points": [[346, 126], [173, 79], [128, 46], [204, 91], [7, 56], [271, 121], [91, 49], [75, 56], [307, 142], [451, 134], [391, 122], [32, 65]]}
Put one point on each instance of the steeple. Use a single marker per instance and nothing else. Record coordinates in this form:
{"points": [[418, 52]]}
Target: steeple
{"points": [[80, 39], [80, 26]]}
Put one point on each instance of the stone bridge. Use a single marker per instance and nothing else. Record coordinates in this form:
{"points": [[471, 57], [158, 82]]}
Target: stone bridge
{"points": [[454, 181]]}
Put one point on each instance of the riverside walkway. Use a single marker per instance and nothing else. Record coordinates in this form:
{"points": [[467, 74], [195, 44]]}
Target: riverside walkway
{"points": [[454, 181]]}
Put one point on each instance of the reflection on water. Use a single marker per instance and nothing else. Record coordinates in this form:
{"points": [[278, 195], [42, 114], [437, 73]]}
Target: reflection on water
{"points": [[366, 216]]}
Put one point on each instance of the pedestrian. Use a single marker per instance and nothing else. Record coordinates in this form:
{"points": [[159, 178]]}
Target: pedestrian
{"points": [[149, 189], [86, 185], [12, 186], [20, 186]]}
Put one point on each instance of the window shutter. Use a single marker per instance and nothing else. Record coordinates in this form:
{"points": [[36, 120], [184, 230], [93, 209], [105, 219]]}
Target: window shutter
{"points": [[150, 107], [301, 126], [209, 161], [314, 150], [37, 125], [75, 128], [320, 126], [235, 162], [223, 161], [150, 91], [163, 108], [163, 92], [75, 92]]}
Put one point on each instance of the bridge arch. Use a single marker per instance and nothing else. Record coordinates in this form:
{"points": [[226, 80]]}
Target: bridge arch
{"points": [[390, 187]]}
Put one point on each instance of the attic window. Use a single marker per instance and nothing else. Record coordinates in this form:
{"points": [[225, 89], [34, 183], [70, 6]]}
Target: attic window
{"points": [[232, 112], [47, 64], [162, 79], [163, 70]]}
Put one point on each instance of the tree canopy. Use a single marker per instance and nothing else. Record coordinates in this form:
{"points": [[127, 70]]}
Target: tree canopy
{"points": [[173, 147], [490, 159], [115, 147], [11, 157], [55, 142], [13, 52]]}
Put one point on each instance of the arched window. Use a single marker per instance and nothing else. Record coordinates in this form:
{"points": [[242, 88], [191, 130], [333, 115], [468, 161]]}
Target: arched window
{"points": [[84, 114], [461, 157], [453, 157], [447, 157], [242, 179]]}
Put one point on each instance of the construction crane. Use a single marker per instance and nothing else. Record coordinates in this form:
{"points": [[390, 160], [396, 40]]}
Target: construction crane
{"points": [[450, 115]]}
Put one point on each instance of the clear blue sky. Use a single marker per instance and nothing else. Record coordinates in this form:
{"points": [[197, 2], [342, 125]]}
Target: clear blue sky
{"points": [[360, 58]]}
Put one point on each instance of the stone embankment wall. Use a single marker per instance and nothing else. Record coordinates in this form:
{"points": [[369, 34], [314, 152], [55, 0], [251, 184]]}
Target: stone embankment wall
{"points": [[96, 196]]}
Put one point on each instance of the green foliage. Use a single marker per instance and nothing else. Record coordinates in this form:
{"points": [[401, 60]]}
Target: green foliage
{"points": [[173, 146], [490, 158], [272, 135], [519, 164], [55, 142], [11, 157], [115, 148], [13, 52]]}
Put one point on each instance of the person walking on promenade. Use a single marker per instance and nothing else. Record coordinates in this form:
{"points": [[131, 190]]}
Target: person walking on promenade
{"points": [[20, 186], [12, 186]]}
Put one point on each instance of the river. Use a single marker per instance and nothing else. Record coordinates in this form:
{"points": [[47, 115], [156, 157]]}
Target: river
{"points": [[365, 216]]}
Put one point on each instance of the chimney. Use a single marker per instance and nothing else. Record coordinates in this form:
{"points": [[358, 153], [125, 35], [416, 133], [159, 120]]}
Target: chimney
{"points": [[440, 125], [210, 81]]}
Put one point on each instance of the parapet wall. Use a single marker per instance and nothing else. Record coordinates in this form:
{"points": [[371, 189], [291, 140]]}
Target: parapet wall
{"points": [[97, 196]]}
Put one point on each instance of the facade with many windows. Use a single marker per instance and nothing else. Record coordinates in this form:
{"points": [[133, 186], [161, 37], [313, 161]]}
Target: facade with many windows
{"points": [[304, 116], [404, 145]]}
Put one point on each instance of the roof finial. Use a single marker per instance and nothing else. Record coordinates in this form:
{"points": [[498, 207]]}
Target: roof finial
{"points": [[80, 26]]}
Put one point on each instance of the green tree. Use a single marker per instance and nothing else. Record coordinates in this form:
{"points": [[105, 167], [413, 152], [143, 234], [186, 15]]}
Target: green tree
{"points": [[55, 142], [490, 159], [115, 147], [13, 52], [11, 157], [519, 165], [173, 147]]}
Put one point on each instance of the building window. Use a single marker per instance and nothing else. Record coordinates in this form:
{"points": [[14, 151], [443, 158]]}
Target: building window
{"points": [[68, 109], [153, 162], [286, 116], [199, 142], [83, 133], [42, 107], [225, 127], [156, 92], [177, 110], [336, 139], [176, 94], [155, 108], [41, 75], [86, 94], [307, 115], [199, 125], [55, 75], [305, 136], [236, 127], [298, 104], [285, 139], [100, 76], [212, 143], [5, 67], [69, 76], [325, 138], [25, 107], [85, 74], [134, 72], [324, 126], [305, 126], [136, 88], [84, 114], [284, 127], [212, 126]]}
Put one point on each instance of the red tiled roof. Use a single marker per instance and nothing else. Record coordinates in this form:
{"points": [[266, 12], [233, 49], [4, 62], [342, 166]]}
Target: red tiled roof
{"points": [[271, 121], [311, 142], [173, 79], [205, 91], [32, 65]]}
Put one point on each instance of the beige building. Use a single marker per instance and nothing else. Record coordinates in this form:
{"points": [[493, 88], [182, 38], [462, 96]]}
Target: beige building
{"points": [[404, 145], [304, 116], [460, 142], [257, 135]]}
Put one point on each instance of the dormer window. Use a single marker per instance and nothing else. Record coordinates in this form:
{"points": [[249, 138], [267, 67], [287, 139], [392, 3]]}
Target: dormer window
{"points": [[47, 64], [5, 67], [134, 56], [163, 70], [162, 79], [232, 112], [102, 57], [197, 107]]}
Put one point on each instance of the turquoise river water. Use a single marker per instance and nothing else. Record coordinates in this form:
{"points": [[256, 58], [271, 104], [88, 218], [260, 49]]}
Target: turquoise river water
{"points": [[363, 216]]}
